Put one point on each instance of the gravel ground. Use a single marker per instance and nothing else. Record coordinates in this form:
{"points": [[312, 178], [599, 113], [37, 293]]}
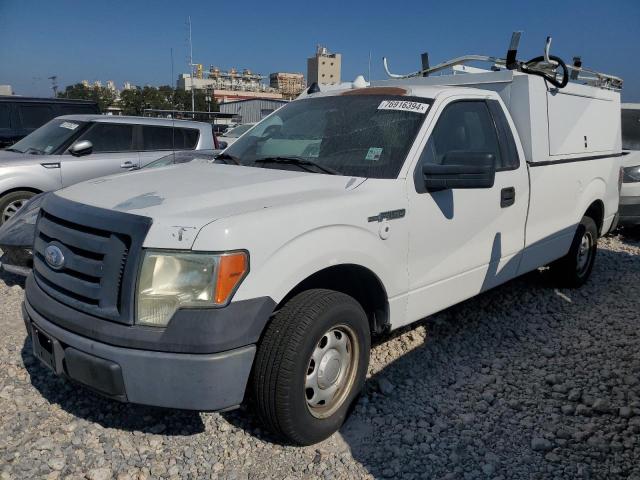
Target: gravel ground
{"points": [[525, 381]]}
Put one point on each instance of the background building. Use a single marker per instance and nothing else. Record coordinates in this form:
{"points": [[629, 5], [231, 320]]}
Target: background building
{"points": [[228, 85], [249, 111], [290, 85], [324, 67]]}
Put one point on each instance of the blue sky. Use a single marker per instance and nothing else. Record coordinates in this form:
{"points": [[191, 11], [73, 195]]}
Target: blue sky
{"points": [[131, 40]]}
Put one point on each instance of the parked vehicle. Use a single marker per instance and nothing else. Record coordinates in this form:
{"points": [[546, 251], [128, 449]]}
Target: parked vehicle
{"points": [[219, 128], [231, 135], [17, 234], [342, 214], [73, 148], [630, 191], [19, 116]]}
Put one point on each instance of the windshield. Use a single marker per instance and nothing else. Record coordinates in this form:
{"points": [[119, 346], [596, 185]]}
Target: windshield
{"points": [[182, 157], [354, 135], [49, 137], [239, 130]]}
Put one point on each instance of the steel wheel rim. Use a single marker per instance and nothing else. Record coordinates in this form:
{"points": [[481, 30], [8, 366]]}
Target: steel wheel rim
{"points": [[11, 209], [331, 371], [584, 253]]}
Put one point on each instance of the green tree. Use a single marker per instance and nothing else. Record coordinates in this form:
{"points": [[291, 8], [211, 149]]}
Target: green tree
{"points": [[103, 96], [136, 100]]}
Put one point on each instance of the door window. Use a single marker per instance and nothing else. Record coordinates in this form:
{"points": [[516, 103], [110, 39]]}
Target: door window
{"points": [[462, 127], [5, 115], [34, 116], [169, 138], [110, 137]]}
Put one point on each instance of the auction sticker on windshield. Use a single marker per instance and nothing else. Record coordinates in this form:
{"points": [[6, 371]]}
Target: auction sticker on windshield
{"points": [[404, 106], [69, 125]]}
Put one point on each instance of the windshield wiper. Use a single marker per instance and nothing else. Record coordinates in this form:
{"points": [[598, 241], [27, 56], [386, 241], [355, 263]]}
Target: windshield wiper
{"points": [[298, 161], [226, 156], [13, 150]]}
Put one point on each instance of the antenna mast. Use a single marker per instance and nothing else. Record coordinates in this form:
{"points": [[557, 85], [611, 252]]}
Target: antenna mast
{"points": [[193, 98]]}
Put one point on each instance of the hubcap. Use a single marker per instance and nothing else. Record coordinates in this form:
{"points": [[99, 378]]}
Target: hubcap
{"points": [[11, 209], [331, 371], [584, 253]]}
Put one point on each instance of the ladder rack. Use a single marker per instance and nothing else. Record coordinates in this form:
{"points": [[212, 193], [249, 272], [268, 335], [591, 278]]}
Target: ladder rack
{"points": [[546, 66]]}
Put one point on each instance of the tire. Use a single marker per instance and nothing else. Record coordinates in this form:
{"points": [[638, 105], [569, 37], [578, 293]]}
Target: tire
{"points": [[11, 202], [574, 269], [284, 367]]}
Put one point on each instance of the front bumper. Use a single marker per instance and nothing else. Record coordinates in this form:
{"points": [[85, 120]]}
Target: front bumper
{"points": [[176, 380], [16, 260], [629, 211]]}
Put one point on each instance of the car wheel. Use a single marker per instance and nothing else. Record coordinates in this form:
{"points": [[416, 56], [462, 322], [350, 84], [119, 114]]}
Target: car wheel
{"points": [[575, 267], [311, 365], [12, 202]]}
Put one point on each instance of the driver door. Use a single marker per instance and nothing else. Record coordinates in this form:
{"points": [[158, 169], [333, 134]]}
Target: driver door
{"points": [[465, 240], [113, 152]]}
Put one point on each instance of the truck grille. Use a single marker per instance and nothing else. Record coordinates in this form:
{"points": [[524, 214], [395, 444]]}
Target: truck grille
{"points": [[100, 250]]}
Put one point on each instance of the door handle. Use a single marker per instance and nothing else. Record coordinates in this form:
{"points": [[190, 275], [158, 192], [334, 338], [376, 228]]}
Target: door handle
{"points": [[507, 197], [127, 164], [51, 164]]}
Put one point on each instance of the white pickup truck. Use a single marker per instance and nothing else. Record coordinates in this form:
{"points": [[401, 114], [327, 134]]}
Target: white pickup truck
{"points": [[343, 214]]}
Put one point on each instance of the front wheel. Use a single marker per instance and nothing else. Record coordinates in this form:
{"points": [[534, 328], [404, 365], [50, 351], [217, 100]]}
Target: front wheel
{"points": [[575, 267], [12, 202], [311, 365]]}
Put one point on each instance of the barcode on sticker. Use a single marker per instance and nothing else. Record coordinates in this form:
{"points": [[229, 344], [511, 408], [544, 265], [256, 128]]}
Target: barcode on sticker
{"points": [[404, 106]]}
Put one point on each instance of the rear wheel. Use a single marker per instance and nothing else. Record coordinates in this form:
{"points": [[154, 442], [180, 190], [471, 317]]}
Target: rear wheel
{"points": [[12, 202], [311, 365], [575, 267]]}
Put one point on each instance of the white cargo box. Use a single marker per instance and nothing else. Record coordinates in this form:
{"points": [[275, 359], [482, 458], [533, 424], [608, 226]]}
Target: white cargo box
{"points": [[553, 124]]}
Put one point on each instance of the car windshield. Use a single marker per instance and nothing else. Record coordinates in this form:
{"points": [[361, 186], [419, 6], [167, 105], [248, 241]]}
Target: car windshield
{"points": [[182, 157], [354, 134], [239, 130], [49, 137]]}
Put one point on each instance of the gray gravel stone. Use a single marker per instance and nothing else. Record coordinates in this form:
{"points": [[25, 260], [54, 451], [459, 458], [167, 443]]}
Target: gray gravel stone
{"points": [[517, 383], [541, 444]]}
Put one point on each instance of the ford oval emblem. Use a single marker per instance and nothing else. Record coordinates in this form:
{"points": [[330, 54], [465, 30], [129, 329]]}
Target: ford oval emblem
{"points": [[54, 257]]}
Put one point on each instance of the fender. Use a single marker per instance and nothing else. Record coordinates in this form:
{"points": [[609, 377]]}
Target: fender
{"points": [[301, 257]]}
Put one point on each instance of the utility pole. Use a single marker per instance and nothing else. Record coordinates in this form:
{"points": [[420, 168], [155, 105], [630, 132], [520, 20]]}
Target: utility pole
{"points": [[54, 85], [193, 97]]}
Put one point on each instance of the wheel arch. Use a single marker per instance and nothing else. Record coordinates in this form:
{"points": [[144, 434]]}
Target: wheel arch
{"points": [[21, 189], [354, 280], [596, 212]]}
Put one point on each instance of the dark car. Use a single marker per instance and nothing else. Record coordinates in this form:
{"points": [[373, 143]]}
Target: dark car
{"points": [[19, 116], [17, 233]]}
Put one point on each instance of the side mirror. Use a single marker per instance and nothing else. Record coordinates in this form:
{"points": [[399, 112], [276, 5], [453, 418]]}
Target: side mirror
{"points": [[222, 145], [461, 169], [81, 148]]}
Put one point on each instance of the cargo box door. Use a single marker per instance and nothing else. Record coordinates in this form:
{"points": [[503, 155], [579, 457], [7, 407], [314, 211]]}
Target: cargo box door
{"points": [[579, 124]]}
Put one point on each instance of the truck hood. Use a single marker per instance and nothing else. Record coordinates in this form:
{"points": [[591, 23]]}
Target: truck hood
{"points": [[187, 197], [14, 159]]}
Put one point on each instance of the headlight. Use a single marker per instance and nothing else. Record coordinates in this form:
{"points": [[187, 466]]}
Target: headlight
{"points": [[171, 280], [631, 174]]}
